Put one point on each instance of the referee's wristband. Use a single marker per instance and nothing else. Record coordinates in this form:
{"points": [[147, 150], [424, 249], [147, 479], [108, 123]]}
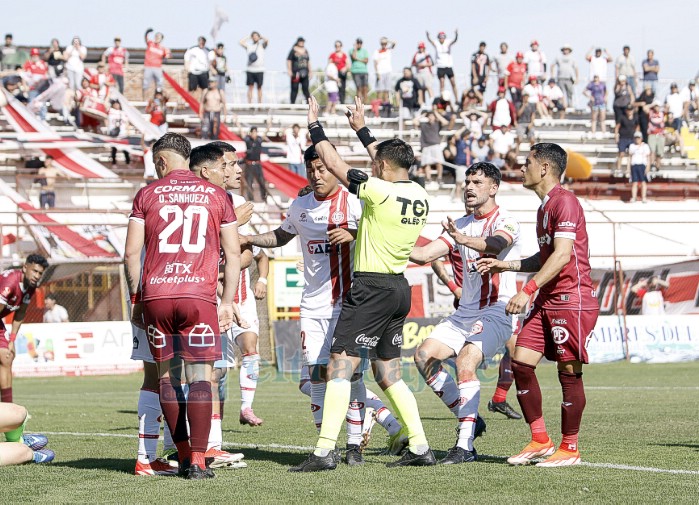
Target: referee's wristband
{"points": [[452, 286], [315, 129], [530, 287], [365, 136]]}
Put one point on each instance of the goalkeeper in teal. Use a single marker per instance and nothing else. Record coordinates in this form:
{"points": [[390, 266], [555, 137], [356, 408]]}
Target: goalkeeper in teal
{"points": [[373, 312]]}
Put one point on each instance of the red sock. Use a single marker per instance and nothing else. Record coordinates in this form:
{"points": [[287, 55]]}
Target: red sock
{"points": [[529, 398], [184, 450], [198, 459], [571, 408], [175, 412], [500, 395], [199, 415], [6, 395]]}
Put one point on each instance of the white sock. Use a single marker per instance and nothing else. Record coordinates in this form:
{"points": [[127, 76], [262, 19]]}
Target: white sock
{"points": [[444, 386], [383, 416], [470, 392], [317, 402], [305, 387], [355, 412], [215, 433], [149, 414], [249, 372]]}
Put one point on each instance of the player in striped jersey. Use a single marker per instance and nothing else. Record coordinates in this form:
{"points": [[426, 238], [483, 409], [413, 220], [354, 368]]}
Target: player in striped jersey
{"points": [[479, 327]]}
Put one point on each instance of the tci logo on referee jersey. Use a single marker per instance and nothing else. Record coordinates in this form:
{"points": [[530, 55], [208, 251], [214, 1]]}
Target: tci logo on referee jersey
{"points": [[420, 208]]}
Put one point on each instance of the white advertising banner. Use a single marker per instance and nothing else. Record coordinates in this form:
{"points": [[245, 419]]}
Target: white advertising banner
{"points": [[92, 348]]}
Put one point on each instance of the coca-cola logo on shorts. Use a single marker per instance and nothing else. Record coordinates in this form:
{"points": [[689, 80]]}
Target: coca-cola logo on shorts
{"points": [[365, 341]]}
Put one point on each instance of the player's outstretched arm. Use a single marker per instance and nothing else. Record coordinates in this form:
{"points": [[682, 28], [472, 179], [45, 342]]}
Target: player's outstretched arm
{"points": [[494, 244], [324, 148], [442, 275], [274, 238], [357, 122], [430, 252]]}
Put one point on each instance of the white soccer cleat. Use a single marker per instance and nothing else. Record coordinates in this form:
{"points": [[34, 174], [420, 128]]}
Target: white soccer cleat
{"points": [[216, 458]]}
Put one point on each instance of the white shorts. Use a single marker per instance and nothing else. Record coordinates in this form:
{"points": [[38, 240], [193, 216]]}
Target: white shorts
{"points": [[431, 155], [227, 350], [316, 340], [248, 311], [383, 82], [141, 350], [425, 78], [488, 329]]}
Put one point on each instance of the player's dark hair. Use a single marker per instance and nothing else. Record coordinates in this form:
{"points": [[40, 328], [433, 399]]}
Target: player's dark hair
{"points": [[204, 155], [489, 170], [310, 154], [37, 259], [49, 157], [173, 142], [396, 152], [223, 146], [551, 153], [50, 296]]}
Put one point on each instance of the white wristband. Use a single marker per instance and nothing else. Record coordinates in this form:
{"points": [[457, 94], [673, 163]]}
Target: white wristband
{"points": [[263, 280]]}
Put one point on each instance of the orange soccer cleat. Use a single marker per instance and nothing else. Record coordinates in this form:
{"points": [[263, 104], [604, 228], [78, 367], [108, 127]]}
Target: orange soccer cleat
{"points": [[561, 457], [531, 451], [156, 467]]}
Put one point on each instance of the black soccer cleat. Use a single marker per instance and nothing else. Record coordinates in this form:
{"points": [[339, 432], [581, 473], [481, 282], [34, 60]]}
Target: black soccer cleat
{"points": [[480, 427], [316, 463], [353, 457], [457, 455], [183, 468], [411, 459], [196, 473], [504, 408]]}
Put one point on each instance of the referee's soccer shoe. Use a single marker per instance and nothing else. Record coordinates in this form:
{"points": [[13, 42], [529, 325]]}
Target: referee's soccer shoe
{"points": [[317, 463], [411, 459]]}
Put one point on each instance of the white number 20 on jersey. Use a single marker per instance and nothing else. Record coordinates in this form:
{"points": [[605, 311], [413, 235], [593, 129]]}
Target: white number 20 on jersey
{"points": [[178, 218]]}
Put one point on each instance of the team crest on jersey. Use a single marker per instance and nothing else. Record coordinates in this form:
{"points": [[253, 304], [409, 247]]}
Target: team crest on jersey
{"points": [[477, 328], [201, 336], [560, 334], [303, 217], [337, 217]]}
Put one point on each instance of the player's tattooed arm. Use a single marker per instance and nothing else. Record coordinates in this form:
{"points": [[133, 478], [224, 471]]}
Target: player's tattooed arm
{"points": [[135, 237], [531, 264], [275, 238]]}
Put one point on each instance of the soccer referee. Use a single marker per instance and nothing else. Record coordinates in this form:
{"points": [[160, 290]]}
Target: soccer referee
{"points": [[371, 321]]}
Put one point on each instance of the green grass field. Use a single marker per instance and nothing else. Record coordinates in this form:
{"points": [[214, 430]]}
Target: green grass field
{"points": [[637, 416]]}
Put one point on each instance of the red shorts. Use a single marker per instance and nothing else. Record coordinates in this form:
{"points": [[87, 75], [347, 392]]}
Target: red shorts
{"points": [[560, 335], [187, 327]]}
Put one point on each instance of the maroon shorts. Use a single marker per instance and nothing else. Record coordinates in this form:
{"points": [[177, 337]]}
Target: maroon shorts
{"points": [[187, 327], [4, 342], [560, 335]]}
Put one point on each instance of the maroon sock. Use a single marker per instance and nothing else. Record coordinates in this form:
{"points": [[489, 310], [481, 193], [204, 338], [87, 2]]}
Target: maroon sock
{"points": [[175, 411], [199, 414], [6, 395], [505, 377], [573, 402], [528, 390]]}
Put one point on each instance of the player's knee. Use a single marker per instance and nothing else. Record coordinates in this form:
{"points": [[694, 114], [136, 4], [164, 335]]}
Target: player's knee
{"points": [[521, 370]]}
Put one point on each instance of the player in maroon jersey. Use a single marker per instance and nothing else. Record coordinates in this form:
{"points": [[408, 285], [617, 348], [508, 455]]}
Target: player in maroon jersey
{"points": [[16, 290], [183, 221], [564, 313]]}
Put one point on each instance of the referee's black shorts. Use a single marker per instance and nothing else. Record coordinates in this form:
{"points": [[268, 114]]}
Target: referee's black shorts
{"points": [[372, 317]]}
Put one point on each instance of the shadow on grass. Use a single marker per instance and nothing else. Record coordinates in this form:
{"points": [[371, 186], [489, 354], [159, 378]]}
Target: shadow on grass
{"points": [[688, 445], [111, 464], [282, 458], [134, 412]]}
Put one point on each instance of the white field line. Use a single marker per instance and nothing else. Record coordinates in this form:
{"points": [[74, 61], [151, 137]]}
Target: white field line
{"points": [[232, 445]]}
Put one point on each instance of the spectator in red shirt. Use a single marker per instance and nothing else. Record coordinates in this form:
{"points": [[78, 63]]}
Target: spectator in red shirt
{"points": [[153, 61], [36, 73], [514, 78], [117, 58], [341, 61], [102, 81], [656, 133]]}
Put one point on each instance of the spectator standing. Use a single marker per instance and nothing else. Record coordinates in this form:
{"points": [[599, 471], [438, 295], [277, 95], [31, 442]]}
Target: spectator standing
{"points": [[409, 97], [656, 133], [298, 66], [255, 46], [445, 60], [480, 65], [690, 100], [502, 111], [623, 97], [536, 62], [117, 124], [36, 74], [599, 63], [157, 109], [212, 110], [597, 92], [8, 54], [431, 151], [674, 105], [554, 99], [46, 177], [341, 61], [526, 113], [566, 72], [117, 59], [422, 63], [74, 55], [332, 86], [651, 68], [219, 66], [153, 61], [638, 167], [650, 291], [503, 141], [196, 65], [646, 98], [54, 312], [383, 66], [500, 63], [54, 58], [514, 78], [536, 96], [253, 166], [360, 69], [626, 65], [295, 144], [624, 132]]}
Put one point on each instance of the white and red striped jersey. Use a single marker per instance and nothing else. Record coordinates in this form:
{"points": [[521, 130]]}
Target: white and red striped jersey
{"points": [[478, 290], [327, 269]]}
